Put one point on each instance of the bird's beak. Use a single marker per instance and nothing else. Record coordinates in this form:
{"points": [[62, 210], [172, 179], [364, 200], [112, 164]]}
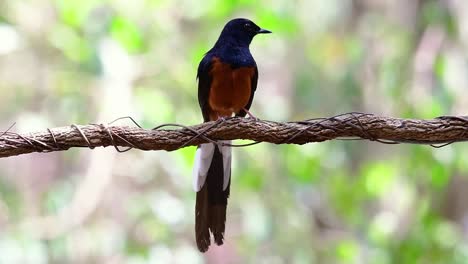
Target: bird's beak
{"points": [[263, 31]]}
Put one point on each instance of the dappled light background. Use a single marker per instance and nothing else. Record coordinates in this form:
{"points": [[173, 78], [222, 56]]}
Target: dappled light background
{"points": [[90, 61]]}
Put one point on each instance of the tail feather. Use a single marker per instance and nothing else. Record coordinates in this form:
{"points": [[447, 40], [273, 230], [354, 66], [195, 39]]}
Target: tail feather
{"points": [[202, 233], [203, 158], [211, 202], [218, 223], [226, 151]]}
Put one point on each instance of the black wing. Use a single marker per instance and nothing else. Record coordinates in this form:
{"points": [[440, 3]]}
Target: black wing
{"points": [[204, 85], [253, 87]]}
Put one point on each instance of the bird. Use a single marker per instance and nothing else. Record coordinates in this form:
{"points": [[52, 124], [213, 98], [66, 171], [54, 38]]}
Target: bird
{"points": [[227, 80]]}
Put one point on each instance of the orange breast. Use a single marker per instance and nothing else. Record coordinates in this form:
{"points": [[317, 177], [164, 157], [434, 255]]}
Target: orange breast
{"points": [[230, 89]]}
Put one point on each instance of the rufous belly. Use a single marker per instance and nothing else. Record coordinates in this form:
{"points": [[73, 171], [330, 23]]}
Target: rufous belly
{"points": [[230, 89]]}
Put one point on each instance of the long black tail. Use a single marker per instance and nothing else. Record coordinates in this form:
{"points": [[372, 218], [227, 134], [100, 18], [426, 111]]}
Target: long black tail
{"points": [[211, 203]]}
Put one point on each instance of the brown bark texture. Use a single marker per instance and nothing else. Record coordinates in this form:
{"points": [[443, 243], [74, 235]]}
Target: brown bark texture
{"points": [[436, 132]]}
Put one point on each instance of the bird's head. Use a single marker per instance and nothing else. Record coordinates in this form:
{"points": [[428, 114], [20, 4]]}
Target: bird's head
{"points": [[242, 31]]}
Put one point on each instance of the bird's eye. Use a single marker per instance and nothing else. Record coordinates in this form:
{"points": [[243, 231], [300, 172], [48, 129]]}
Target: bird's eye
{"points": [[247, 25]]}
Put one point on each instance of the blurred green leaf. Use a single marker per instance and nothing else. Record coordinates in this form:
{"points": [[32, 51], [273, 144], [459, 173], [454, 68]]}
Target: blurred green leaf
{"points": [[155, 106], [347, 251], [378, 177], [127, 33], [74, 13], [302, 168], [70, 43], [439, 175]]}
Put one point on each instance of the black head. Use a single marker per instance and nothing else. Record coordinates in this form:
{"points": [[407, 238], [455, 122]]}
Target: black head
{"points": [[241, 31]]}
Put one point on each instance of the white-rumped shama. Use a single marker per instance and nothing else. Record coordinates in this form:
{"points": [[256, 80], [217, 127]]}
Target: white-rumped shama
{"points": [[227, 80]]}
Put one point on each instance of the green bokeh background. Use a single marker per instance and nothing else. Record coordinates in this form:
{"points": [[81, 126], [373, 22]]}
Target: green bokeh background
{"points": [[91, 61]]}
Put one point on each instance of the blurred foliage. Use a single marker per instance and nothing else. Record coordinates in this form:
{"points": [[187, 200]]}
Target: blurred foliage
{"points": [[64, 62]]}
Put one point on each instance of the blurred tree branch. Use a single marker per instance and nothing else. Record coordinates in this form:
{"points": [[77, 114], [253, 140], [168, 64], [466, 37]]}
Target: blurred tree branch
{"points": [[442, 130]]}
